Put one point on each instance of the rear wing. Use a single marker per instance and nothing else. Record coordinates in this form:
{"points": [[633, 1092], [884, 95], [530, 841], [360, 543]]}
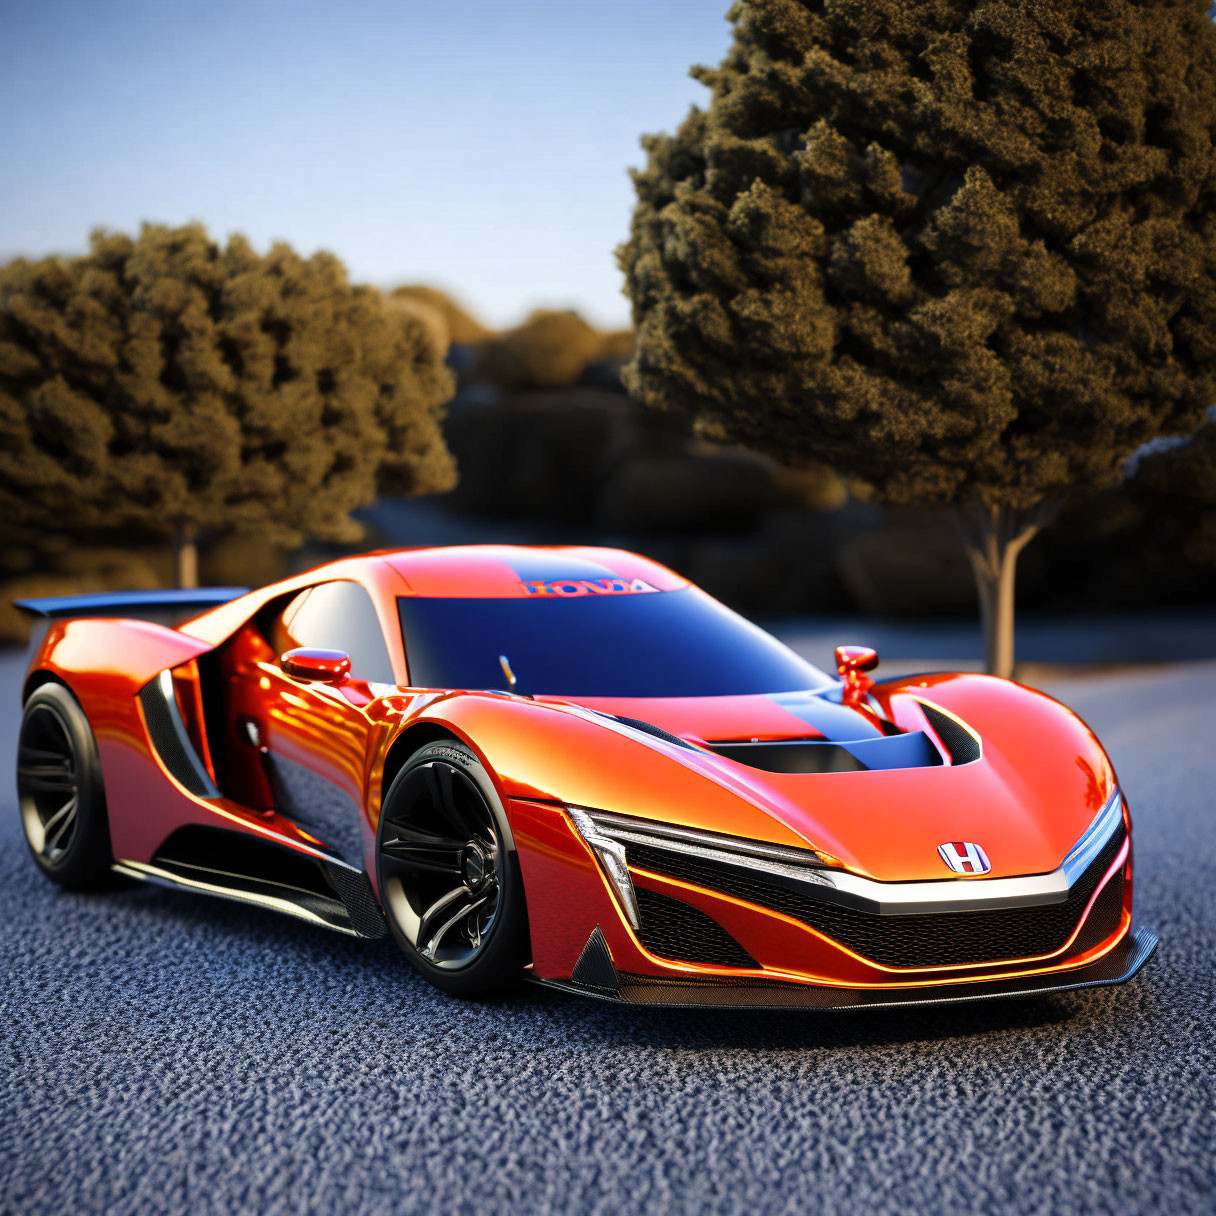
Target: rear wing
{"points": [[169, 608]]}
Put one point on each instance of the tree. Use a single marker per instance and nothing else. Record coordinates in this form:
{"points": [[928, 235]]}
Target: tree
{"points": [[963, 252], [463, 328], [172, 387], [549, 350]]}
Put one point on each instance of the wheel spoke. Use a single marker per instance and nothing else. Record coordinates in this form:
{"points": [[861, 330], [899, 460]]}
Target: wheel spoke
{"points": [[40, 755], [441, 907], [47, 781], [408, 850], [442, 779], [59, 823], [44, 771], [465, 909]]}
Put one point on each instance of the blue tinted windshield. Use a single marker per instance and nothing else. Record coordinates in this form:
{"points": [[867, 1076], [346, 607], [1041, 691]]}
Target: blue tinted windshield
{"points": [[659, 644]]}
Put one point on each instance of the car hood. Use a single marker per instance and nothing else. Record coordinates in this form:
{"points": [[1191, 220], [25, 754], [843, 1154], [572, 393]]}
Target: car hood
{"points": [[1028, 792], [810, 714]]}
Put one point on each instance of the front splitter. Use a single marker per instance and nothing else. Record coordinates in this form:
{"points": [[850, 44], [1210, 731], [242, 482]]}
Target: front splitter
{"points": [[747, 993]]}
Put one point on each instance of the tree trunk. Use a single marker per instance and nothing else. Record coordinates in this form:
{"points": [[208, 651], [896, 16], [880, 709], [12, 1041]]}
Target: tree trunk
{"points": [[993, 538], [185, 556]]}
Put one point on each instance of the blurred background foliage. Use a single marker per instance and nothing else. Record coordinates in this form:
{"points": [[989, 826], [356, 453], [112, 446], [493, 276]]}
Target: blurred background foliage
{"points": [[164, 387], [550, 449]]}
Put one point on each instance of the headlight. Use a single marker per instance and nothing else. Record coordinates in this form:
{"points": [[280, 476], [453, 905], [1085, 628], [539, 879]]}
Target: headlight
{"points": [[612, 857], [608, 835], [626, 829]]}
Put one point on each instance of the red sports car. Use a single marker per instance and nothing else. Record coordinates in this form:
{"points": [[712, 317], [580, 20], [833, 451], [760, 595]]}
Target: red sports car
{"points": [[570, 764]]}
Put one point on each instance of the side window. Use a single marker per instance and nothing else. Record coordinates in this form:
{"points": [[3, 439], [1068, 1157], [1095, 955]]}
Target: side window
{"points": [[337, 616], [279, 634]]}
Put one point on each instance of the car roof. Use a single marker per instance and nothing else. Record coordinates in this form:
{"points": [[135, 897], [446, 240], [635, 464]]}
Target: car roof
{"points": [[510, 571], [457, 571]]}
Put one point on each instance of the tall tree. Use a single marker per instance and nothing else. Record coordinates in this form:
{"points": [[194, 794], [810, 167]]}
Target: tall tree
{"points": [[175, 387], [964, 252]]}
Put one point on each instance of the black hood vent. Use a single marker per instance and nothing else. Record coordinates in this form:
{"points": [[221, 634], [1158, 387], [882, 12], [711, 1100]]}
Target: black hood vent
{"points": [[912, 750], [962, 745]]}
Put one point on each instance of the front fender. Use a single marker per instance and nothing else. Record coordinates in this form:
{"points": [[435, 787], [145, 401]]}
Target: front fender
{"points": [[1030, 736], [558, 754]]}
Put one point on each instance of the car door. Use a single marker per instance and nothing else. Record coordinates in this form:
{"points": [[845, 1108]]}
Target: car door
{"points": [[316, 733]]}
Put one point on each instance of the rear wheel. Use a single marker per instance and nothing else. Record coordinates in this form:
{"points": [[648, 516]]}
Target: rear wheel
{"points": [[450, 886], [59, 790]]}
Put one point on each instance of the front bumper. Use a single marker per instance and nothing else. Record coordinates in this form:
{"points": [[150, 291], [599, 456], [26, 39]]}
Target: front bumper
{"points": [[713, 934], [1116, 967]]}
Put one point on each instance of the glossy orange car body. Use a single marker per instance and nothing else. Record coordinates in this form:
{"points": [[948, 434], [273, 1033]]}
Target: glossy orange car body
{"points": [[1004, 766]]}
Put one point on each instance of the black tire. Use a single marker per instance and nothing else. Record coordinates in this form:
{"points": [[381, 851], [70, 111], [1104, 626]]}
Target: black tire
{"points": [[60, 793], [449, 881]]}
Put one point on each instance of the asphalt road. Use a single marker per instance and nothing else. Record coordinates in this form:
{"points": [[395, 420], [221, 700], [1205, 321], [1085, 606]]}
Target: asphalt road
{"points": [[160, 1051]]}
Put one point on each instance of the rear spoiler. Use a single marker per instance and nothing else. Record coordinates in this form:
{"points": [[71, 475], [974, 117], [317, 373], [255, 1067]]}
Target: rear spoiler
{"points": [[170, 607], [143, 605]]}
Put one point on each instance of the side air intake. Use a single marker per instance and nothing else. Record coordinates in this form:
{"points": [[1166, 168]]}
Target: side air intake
{"points": [[170, 739]]}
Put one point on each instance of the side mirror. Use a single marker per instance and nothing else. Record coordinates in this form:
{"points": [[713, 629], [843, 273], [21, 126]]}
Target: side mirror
{"points": [[852, 662], [311, 663]]}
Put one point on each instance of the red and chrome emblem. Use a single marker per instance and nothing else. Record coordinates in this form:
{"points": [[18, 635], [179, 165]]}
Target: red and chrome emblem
{"points": [[964, 857], [586, 586]]}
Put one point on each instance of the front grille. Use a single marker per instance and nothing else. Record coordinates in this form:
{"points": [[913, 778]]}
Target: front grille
{"points": [[959, 742], [673, 929], [938, 939], [1103, 917]]}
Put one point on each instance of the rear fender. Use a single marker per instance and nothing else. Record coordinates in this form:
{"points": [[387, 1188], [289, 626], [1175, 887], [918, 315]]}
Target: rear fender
{"points": [[106, 657], [106, 662]]}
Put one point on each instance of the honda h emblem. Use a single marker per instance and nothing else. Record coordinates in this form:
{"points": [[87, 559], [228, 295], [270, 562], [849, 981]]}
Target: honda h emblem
{"points": [[963, 857]]}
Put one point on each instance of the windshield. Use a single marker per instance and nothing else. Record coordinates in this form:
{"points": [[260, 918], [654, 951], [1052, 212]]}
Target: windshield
{"points": [[662, 644]]}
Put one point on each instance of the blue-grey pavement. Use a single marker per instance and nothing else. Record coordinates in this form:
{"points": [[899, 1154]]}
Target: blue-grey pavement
{"points": [[160, 1052]]}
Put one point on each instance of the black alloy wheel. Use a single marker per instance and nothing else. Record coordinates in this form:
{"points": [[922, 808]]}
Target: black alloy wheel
{"points": [[59, 789], [449, 883]]}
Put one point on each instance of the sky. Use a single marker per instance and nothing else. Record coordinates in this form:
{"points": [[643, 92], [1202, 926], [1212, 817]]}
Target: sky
{"points": [[482, 146]]}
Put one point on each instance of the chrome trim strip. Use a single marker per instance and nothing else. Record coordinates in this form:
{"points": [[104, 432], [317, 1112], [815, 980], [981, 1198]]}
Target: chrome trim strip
{"points": [[883, 898], [952, 895], [165, 878]]}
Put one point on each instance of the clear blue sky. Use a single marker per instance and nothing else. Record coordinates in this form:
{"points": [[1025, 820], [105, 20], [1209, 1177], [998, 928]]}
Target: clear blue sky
{"points": [[480, 145]]}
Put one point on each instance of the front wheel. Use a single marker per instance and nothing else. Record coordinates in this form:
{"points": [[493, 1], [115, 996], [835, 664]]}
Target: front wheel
{"points": [[59, 790], [450, 886]]}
